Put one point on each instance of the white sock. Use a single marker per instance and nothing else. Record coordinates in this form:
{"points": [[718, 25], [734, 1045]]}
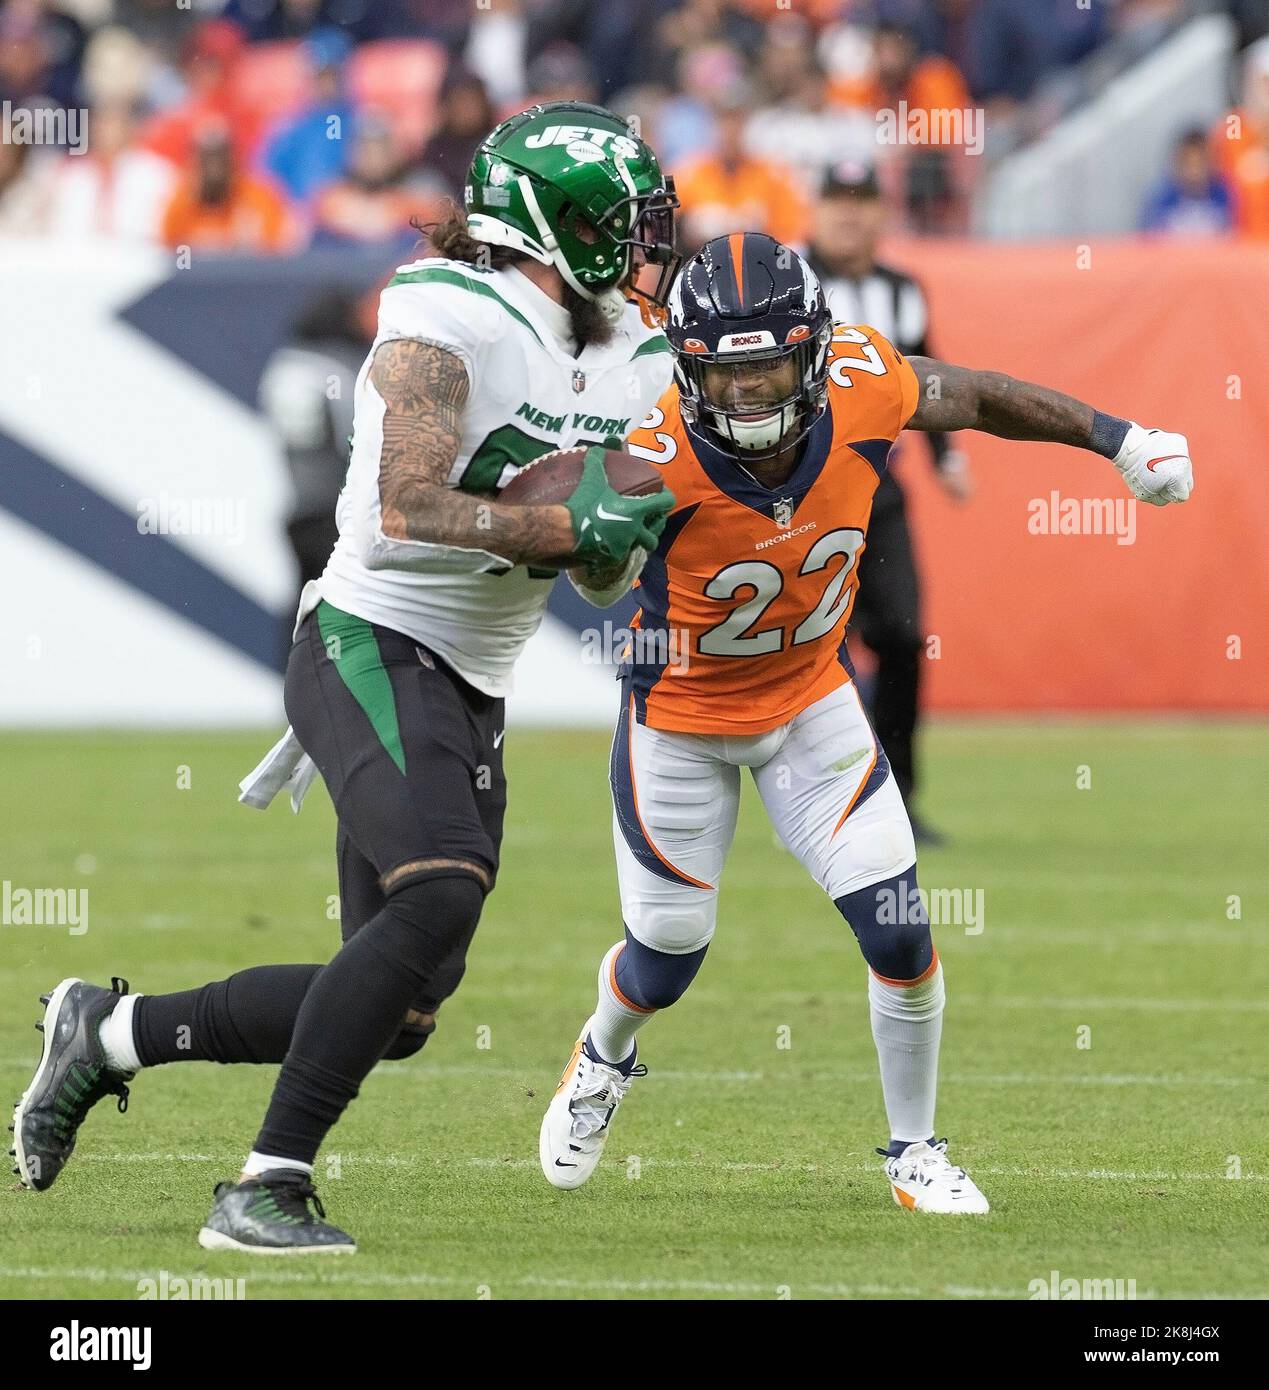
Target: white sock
{"points": [[612, 1033], [907, 1023], [264, 1163], [115, 1032]]}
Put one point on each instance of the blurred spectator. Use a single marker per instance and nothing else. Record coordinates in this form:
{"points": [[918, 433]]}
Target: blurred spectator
{"points": [[805, 133], [40, 52], [785, 59], [160, 24], [620, 40], [309, 150], [207, 66], [24, 179], [695, 24], [370, 204], [466, 117], [262, 20], [496, 51], [730, 191], [219, 208], [1194, 200], [685, 120], [116, 189], [306, 393], [1240, 145], [898, 73], [561, 72], [118, 67], [1014, 43], [447, 21]]}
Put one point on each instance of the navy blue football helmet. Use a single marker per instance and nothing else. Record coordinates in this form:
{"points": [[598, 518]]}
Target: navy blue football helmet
{"points": [[750, 328]]}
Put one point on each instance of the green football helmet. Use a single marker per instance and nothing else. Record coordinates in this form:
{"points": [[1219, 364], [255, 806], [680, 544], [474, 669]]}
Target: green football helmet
{"points": [[569, 185]]}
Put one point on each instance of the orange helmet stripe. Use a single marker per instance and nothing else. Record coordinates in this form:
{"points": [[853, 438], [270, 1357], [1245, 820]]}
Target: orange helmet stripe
{"points": [[737, 243]]}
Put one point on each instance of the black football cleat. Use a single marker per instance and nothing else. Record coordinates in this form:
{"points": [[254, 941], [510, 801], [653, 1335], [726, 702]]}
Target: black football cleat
{"points": [[72, 1077], [270, 1215]]}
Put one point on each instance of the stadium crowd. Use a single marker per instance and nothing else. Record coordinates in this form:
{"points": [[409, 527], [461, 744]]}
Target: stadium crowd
{"points": [[268, 125]]}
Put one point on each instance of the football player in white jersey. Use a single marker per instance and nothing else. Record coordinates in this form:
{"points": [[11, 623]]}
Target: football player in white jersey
{"points": [[524, 336]]}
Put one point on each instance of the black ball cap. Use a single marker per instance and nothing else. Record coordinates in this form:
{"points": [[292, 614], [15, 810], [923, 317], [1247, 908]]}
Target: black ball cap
{"points": [[850, 179]]}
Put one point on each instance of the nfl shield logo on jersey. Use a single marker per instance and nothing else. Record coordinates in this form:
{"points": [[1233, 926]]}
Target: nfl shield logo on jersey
{"points": [[783, 510], [579, 382]]}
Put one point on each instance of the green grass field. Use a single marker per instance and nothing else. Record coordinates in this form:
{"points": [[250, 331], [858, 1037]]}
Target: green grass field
{"points": [[740, 1168]]}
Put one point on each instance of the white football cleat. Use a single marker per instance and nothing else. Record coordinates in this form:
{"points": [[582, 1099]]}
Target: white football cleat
{"points": [[575, 1126], [922, 1179]]}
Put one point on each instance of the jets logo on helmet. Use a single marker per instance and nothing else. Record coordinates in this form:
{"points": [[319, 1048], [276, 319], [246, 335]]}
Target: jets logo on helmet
{"points": [[568, 184], [619, 146], [750, 329]]}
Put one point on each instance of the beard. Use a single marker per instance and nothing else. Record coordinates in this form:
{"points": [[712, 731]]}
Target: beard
{"points": [[590, 327]]}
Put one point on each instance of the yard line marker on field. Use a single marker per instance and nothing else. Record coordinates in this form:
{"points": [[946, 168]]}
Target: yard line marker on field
{"points": [[417, 1161]]}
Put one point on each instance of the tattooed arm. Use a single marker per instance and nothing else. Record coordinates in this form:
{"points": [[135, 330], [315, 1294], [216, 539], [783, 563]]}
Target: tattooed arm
{"points": [[1155, 464], [424, 390], [956, 398]]}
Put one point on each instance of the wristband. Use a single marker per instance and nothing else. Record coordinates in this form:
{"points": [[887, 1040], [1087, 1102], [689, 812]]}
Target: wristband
{"points": [[1108, 434]]}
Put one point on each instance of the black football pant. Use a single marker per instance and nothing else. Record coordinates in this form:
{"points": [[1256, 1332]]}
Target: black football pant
{"points": [[887, 616], [412, 757]]}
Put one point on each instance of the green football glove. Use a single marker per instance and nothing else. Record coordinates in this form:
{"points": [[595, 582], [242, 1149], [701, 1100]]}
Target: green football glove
{"points": [[608, 526]]}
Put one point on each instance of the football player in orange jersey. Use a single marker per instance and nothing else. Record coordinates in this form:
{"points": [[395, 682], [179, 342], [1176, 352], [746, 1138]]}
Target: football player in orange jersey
{"points": [[772, 440]]}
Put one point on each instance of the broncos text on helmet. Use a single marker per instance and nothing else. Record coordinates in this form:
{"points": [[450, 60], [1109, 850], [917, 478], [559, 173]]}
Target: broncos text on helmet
{"points": [[750, 329]]}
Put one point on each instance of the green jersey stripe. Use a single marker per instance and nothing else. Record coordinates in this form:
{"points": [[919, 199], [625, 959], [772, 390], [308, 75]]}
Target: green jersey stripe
{"points": [[438, 275], [350, 644], [658, 344]]}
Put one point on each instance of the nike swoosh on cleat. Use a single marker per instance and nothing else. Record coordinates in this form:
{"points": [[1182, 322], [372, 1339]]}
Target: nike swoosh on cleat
{"points": [[1164, 459], [559, 1163]]}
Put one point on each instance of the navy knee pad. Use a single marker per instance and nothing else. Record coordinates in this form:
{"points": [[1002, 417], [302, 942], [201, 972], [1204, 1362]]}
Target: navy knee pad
{"points": [[655, 979], [892, 927], [408, 1041]]}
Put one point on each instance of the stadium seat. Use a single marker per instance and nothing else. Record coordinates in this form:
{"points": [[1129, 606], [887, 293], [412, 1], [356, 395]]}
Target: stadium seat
{"points": [[402, 78], [272, 80]]}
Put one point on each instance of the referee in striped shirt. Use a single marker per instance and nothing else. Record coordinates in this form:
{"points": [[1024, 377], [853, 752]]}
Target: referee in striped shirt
{"points": [[848, 220]]}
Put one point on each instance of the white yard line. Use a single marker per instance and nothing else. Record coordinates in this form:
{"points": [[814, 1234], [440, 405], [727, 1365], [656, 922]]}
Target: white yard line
{"points": [[419, 1161]]}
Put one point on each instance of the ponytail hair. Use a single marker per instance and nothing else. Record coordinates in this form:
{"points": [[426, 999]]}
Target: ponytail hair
{"points": [[450, 238]]}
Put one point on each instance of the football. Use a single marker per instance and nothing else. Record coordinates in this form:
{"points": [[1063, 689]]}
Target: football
{"points": [[551, 479]]}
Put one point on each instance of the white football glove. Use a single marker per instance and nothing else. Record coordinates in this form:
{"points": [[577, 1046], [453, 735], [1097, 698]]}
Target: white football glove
{"points": [[618, 584], [1156, 465]]}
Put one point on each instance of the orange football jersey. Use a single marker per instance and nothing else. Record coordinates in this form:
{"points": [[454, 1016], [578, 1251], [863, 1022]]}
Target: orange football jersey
{"points": [[744, 604]]}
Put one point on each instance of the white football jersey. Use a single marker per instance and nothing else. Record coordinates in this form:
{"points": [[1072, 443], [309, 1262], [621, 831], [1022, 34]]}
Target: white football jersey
{"points": [[529, 394]]}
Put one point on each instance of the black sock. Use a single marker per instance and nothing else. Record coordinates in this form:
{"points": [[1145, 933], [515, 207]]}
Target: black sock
{"points": [[356, 1006], [247, 1018], [896, 1146]]}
